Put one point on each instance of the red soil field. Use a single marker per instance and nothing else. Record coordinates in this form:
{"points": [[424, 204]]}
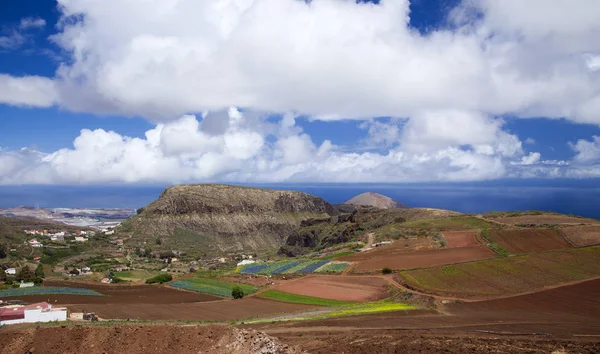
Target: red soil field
{"points": [[343, 288], [119, 294], [582, 236], [225, 310], [378, 259], [528, 240], [456, 239], [544, 219]]}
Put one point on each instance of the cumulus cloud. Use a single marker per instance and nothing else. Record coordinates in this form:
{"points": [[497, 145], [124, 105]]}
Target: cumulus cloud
{"points": [[27, 91], [325, 59], [181, 151], [588, 152]]}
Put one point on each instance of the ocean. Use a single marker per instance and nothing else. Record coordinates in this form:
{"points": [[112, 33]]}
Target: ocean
{"points": [[579, 197]]}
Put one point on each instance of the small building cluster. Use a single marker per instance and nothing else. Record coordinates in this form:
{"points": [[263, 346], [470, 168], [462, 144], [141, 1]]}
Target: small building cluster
{"points": [[35, 313], [80, 236]]}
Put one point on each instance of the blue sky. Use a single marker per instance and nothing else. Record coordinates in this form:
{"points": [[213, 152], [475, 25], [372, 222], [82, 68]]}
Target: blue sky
{"points": [[292, 91]]}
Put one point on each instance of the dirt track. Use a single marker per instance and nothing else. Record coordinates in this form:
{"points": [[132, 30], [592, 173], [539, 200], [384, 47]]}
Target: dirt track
{"points": [[337, 287]]}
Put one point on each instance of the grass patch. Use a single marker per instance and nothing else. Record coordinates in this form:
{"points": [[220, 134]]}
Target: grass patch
{"points": [[301, 299], [493, 245], [340, 254], [136, 274], [451, 223], [211, 286]]}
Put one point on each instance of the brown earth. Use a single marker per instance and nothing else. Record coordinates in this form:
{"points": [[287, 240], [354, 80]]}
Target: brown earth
{"points": [[140, 339], [342, 288], [504, 276], [225, 310], [528, 240], [456, 239], [390, 257], [119, 294], [560, 320], [544, 219], [582, 236]]}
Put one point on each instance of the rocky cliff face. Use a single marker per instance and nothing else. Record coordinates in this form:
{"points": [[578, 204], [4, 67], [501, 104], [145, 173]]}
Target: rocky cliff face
{"points": [[215, 219]]}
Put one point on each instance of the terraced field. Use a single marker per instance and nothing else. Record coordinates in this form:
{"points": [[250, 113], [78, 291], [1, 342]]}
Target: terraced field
{"points": [[338, 287], [583, 235], [210, 286], [528, 240], [504, 276], [305, 266], [47, 290]]}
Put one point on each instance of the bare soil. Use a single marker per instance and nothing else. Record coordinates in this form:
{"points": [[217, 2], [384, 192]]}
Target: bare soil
{"points": [[225, 310], [120, 294], [390, 257], [582, 236], [141, 339], [343, 288], [528, 240], [544, 219], [457, 239]]}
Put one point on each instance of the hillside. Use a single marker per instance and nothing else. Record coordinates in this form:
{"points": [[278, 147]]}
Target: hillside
{"points": [[215, 219], [375, 200]]}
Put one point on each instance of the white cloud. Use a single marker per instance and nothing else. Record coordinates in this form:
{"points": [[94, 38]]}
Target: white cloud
{"points": [[588, 152], [530, 141], [32, 22], [180, 151], [27, 91]]}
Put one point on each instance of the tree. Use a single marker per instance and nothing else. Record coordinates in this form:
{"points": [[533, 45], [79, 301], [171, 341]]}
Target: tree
{"points": [[2, 251], [237, 292], [39, 271], [386, 270], [25, 274], [139, 210], [158, 241], [2, 275]]}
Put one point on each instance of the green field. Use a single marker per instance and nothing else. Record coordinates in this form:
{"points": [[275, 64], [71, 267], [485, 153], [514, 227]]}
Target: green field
{"points": [[511, 275], [301, 299], [47, 290], [133, 275], [451, 223], [340, 254], [210, 286]]}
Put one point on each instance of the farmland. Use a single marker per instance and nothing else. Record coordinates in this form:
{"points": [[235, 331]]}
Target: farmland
{"points": [[294, 267], [48, 290], [512, 275], [448, 224], [337, 287], [396, 256], [300, 299], [210, 286], [456, 239], [528, 240], [583, 235], [544, 219]]}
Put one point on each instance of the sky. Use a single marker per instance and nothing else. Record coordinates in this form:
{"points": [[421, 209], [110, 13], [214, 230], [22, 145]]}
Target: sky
{"points": [[295, 91]]}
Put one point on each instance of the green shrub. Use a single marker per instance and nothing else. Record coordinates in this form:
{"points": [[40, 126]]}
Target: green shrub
{"points": [[386, 270], [237, 292], [162, 278]]}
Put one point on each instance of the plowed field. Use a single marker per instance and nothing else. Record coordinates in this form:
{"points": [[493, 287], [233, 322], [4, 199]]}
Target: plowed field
{"points": [[378, 259], [120, 294], [504, 276], [583, 235], [343, 288], [456, 239], [544, 219], [225, 310], [528, 240]]}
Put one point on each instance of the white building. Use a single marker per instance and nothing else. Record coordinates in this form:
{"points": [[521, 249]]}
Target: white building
{"points": [[40, 312], [80, 239], [11, 271], [26, 285], [35, 243], [111, 232], [246, 261]]}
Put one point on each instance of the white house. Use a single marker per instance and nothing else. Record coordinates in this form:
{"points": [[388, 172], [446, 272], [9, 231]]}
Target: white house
{"points": [[26, 285], [35, 243], [80, 239], [40, 312], [11, 271], [111, 232]]}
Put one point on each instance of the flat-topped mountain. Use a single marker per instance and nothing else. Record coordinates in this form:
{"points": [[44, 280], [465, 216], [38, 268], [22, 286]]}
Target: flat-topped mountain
{"points": [[207, 219], [375, 200]]}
